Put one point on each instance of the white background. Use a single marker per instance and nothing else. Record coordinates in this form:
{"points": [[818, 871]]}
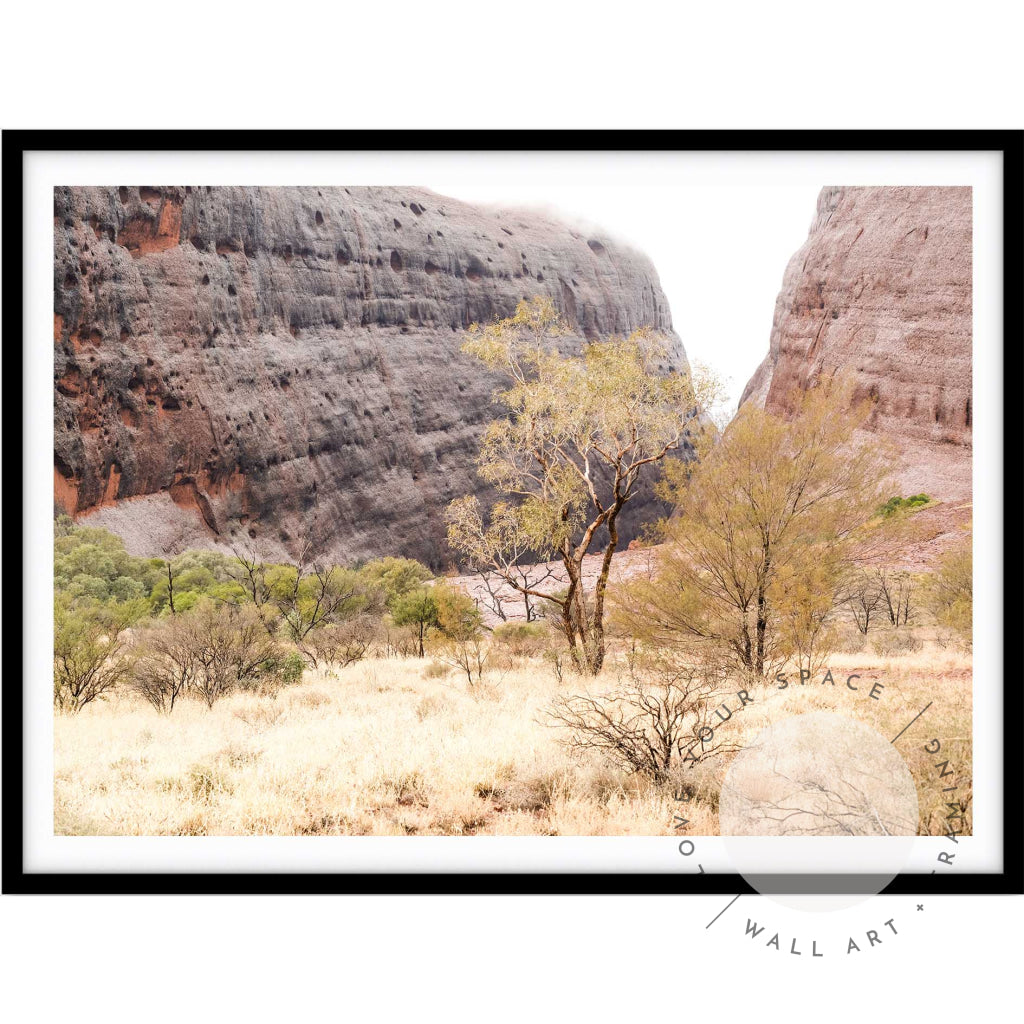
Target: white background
{"points": [[719, 249], [529, 65]]}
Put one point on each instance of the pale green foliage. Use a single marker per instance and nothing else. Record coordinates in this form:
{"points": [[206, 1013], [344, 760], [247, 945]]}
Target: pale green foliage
{"points": [[417, 609], [91, 649], [458, 617], [534, 323], [765, 530], [193, 575], [460, 639], [950, 591], [580, 433], [91, 563], [308, 598], [572, 417], [523, 639], [395, 577]]}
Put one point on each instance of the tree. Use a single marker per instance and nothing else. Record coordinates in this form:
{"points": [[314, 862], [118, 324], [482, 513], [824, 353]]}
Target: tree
{"points": [[91, 649], [92, 564], [462, 640], [864, 594], [493, 585], [581, 433], [418, 609], [166, 667], [250, 573], [311, 596], [231, 648], [186, 578], [765, 531], [897, 589]]}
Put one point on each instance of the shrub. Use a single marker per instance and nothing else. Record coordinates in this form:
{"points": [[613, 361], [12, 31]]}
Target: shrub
{"points": [[950, 591], [460, 640], [209, 652], [894, 642], [431, 706], [896, 504], [205, 782], [342, 643], [663, 718], [522, 639], [288, 669], [863, 596], [166, 665], [398, 641], [436, 670], [91, 649], [394, 578], [310, 598]]}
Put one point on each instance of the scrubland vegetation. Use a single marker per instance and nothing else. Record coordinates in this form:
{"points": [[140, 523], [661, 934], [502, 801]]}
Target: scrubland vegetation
{"points": [[401, 746], [221, 694]]}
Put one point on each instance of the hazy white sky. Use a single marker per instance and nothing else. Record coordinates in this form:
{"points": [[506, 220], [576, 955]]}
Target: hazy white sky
{"points": [[720, 251]]}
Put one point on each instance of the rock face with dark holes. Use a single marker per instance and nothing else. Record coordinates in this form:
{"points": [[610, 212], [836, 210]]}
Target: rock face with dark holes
{"points": [[284, 364], [881, 289]]}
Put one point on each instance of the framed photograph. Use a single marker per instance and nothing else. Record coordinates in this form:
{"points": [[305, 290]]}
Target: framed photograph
{"points": [[568, 512]]}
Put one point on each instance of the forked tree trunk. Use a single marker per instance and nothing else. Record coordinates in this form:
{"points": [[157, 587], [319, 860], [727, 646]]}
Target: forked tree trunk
{"points": [[583, 631]]}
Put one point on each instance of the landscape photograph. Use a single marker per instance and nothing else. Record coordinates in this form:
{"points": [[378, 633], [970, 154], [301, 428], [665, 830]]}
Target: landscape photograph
{"points": [[382, 511]]}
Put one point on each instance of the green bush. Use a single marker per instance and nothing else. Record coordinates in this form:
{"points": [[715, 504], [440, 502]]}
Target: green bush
{"points": [[897, 504], [418, 610], [91, 649], [395, 578], [523, 639], [91, 564], [290, 668]]}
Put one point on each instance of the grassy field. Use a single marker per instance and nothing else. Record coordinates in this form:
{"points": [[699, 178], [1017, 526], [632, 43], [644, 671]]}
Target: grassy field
{"points": [[401, 747]]}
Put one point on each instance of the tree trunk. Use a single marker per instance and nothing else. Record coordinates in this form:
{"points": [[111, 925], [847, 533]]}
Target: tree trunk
{"points": [[762, 626], [570, 625], [597, 627]]}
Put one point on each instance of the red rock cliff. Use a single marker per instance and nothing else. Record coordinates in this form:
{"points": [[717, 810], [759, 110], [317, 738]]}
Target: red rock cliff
{"points": [[882, 289], [233, 362]]}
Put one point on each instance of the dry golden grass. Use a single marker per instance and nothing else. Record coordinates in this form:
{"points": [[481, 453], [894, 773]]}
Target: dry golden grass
{"points": [[395, 747]]}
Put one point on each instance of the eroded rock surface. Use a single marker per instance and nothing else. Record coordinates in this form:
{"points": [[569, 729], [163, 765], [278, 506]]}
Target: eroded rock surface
{"points": [[882, 289], [283, 363]]}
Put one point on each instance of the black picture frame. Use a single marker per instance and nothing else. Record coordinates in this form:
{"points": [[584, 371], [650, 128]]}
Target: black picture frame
{"points": [[15, 879]]}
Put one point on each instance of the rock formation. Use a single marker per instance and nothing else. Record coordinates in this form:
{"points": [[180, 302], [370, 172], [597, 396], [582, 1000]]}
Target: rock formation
{"points": [[881, 289], [284, 363]]}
